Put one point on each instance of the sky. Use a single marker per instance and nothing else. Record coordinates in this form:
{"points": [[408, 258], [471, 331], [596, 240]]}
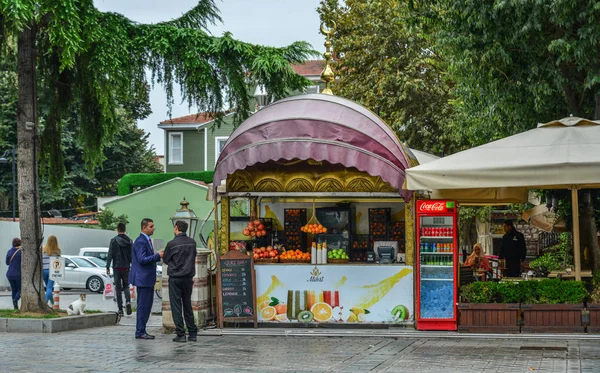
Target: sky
{"points": [[268, 22]]}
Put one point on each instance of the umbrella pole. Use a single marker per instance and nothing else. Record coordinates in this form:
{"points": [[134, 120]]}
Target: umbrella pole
{"points": [[576, 244]]}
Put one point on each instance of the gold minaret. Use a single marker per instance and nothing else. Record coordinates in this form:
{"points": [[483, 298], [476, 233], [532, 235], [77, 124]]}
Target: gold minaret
{"points": [[327, 75]]}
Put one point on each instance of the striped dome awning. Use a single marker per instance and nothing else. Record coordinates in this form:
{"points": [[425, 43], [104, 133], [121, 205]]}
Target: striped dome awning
{"points": [[319, 127]]}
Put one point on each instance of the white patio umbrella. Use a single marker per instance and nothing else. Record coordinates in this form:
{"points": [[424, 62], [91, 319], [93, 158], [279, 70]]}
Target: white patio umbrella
{"points": [[563, 154]]}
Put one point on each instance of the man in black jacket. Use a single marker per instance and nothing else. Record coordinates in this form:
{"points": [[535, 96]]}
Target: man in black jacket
{"points": [[119, 253], [180, 257], [513, 249]]}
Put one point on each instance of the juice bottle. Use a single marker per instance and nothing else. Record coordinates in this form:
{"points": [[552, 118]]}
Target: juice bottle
{"points": [[312, 296], [290, 309], [327, 296]]}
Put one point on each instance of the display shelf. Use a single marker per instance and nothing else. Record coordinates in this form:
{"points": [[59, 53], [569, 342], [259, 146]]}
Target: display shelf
{"points": [[438, 253], [294, 219], [437, 279], [437, 237], [434, 266]]}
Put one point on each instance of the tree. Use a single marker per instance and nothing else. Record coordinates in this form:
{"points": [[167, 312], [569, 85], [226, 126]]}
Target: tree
{"points": [[516, 64], [389, 63], [108, 220], [126, 152], [93, 63]]}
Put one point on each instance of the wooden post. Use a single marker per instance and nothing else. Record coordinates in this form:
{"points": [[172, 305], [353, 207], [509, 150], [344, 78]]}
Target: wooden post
{"points": [[576, 243]]}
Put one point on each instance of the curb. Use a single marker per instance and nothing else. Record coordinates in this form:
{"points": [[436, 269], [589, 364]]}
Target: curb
{"points": [[62, 324], [273, 332]]}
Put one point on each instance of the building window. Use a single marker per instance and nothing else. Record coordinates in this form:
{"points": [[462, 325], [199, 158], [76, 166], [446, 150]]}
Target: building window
{"points": [[313, 89], [176, 148], [219, 146]]}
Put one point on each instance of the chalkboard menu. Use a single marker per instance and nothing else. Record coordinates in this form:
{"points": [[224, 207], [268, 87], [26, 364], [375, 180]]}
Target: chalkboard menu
{"points": [[236, 287]]}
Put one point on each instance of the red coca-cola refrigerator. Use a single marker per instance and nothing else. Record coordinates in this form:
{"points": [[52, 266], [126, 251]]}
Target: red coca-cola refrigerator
{"points": [[437, 263]]}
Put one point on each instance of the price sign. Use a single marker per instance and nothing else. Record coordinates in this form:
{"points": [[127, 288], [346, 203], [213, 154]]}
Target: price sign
{"points": [[236, 287]]}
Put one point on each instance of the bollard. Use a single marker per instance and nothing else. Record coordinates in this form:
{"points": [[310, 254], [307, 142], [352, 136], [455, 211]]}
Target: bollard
{"points": [[56, 295]]}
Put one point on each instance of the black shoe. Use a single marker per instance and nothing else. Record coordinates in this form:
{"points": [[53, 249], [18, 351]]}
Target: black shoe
{"points": [[121, 313], [128, 307], [145, 336], [16, 304], [192, 337], [179, 338]]}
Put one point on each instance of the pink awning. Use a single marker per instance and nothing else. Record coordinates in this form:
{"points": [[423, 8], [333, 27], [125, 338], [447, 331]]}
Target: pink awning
{"points": [[320, 127]]}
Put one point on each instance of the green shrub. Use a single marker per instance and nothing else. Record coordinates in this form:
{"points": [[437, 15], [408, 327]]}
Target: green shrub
{"points": [[556, 257], [551, 291], [130, 181], [595, 292], [477, 292], [555, 291]]}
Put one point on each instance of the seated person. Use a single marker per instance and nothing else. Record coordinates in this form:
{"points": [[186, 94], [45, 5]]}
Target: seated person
{"points": [[476, 260]]}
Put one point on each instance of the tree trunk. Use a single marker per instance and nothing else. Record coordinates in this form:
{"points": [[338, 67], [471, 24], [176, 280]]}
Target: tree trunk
{"points": [[591, 239], [32, 289], [588, 236]]}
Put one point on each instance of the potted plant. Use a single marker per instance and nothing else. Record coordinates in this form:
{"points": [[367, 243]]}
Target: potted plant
{"points": [[553, 306], [489, 307]]}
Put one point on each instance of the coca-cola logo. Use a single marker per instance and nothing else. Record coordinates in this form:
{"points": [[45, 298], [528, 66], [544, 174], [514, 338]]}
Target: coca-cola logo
{"points": [[432, 206]]}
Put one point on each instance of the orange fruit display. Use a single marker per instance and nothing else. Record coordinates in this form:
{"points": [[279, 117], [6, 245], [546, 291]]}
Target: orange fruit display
{"points": [[322, 311], [268, 313], [314, 229]]}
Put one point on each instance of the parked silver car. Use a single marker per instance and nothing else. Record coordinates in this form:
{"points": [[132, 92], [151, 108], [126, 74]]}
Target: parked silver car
{"points": [[82, 274]]}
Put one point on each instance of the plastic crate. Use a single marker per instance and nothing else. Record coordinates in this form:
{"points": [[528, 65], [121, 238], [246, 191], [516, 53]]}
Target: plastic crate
{"points": [[381, 215], [360, 246], [294, 238], [396, 230], [376, 237]]}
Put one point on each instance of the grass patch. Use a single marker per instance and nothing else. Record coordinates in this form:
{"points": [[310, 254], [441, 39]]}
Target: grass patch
{"points": [[17, 314]]}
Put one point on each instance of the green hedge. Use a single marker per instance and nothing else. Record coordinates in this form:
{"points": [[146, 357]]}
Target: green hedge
{"points": [[131, 181], [545, 291]]}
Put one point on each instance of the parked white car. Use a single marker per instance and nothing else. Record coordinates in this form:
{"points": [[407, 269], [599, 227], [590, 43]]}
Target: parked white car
{"points": [[82, 274], [98, 252], [102, 253]]}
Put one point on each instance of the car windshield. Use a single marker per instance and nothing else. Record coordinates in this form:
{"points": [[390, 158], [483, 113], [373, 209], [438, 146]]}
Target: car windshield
{"points": [[82, 262], [97, 261]]}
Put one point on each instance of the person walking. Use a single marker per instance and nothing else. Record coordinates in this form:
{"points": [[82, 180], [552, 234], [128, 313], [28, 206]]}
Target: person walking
{"points": [[180, 257], [513, 249], [143, 276], [51, 248], [13, 273], [119, 254]]}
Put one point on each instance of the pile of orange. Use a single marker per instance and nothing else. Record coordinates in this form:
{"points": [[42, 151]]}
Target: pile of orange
{"points": [[313, 229], [293, 255]]}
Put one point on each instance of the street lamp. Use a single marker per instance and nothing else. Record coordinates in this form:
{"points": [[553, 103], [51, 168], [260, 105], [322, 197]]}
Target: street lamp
{"points": [[261, 96], [188, 216], [4, 159]]}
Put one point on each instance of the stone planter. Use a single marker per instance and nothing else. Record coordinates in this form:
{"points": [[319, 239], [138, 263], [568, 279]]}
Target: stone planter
{"points": [[488, 317], [552, 318], [594, 310], [200, 293]]}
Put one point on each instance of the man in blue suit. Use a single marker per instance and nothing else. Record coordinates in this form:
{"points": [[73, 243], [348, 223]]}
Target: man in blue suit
{"points": [[143, 276]]}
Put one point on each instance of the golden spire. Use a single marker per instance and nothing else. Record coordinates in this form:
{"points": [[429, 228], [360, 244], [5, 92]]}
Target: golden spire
{"points": [[327, 75]]}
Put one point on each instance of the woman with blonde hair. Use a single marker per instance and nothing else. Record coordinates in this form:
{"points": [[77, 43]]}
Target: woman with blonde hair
{"points": [[477, 260], [51, 248]]}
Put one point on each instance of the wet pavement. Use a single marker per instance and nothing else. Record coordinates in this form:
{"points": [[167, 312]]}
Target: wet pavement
{"points": [[114, 349]]}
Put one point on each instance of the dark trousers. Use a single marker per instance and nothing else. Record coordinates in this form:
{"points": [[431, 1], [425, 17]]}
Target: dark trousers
{"points": [[121, 279], [144, 306], [15, 287], [180, 294]]}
